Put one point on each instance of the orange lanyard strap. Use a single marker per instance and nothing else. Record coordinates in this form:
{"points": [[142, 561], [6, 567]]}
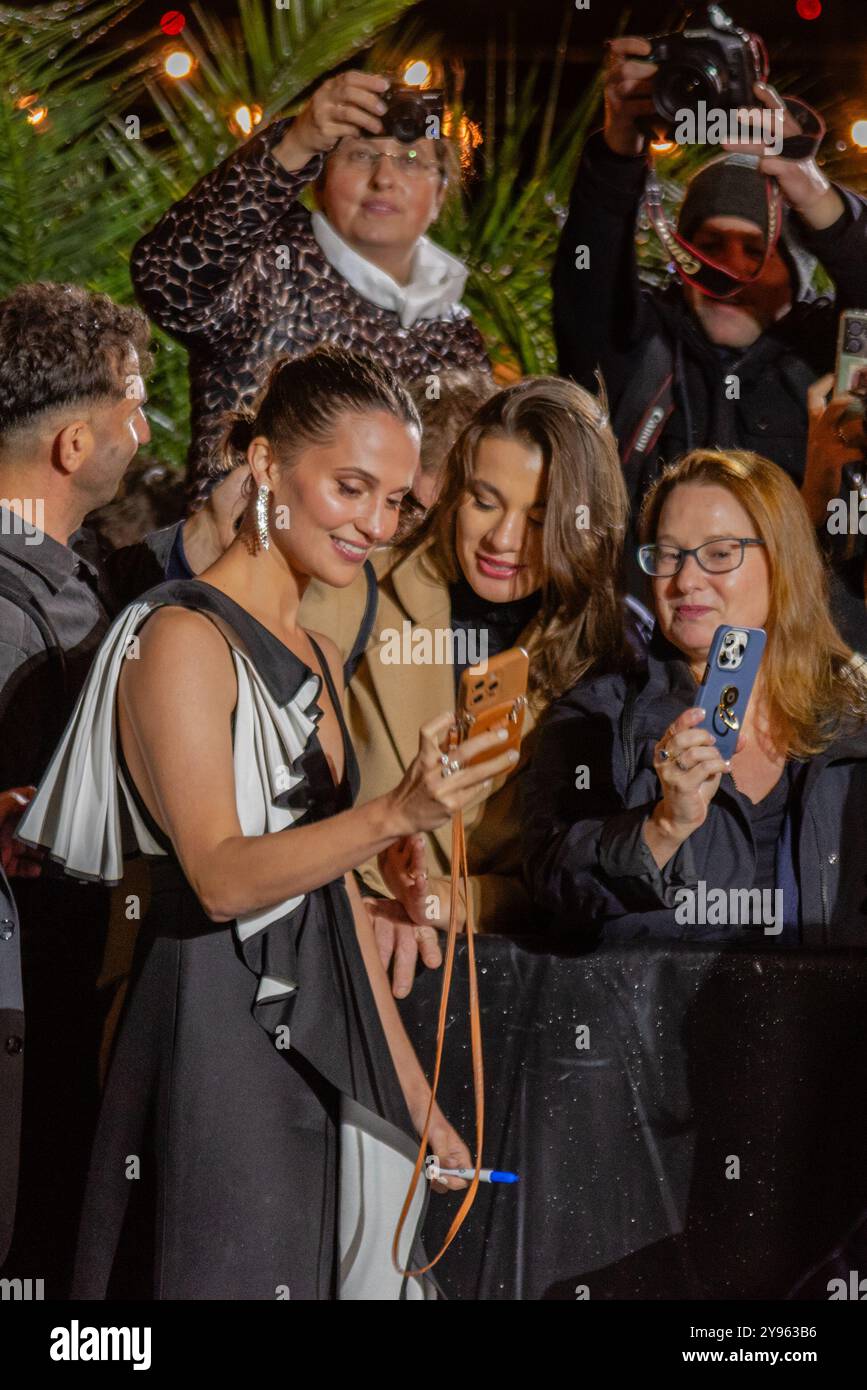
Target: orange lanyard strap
{"points": [[459, 874]]}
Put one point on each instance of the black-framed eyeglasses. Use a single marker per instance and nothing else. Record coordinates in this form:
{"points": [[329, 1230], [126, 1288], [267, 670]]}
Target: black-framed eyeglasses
{"points": [[714, 557]]}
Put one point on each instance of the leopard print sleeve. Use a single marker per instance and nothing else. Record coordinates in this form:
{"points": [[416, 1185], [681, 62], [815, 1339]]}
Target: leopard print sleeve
{"points": [[183, 270]]}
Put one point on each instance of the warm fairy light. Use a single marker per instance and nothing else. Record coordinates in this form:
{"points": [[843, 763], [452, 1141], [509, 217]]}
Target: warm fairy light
{"points": [[37, 115], [467, 136], [663, 146], [809, 9], [859, 134], [416, 73], [244, 118], [179, 63], [467, 132], [24, 102]]}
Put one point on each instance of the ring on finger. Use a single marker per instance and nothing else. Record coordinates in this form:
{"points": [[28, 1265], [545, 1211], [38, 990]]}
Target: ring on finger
{"points": [[448, 765], [664, 755]]}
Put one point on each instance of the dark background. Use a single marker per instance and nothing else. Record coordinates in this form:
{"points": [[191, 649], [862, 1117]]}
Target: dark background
{"points": [[827, 56], [830, 52]]}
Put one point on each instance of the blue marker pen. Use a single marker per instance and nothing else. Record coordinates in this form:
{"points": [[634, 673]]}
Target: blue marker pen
{"points": [[485, 1174]]}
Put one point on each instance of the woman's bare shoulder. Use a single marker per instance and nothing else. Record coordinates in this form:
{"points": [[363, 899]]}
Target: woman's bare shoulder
{"points": [[180, 646]]}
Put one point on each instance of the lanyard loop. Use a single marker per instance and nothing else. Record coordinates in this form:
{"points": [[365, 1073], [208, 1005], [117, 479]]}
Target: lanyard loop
{"points": [[695, 268]]}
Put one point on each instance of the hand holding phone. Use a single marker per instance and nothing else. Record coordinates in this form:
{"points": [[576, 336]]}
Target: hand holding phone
{"points": [[494, 698], [727, 684], [850, 377]]}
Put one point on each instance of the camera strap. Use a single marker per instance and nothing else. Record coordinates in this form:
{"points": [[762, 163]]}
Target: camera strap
{"points": [[691, 264]]}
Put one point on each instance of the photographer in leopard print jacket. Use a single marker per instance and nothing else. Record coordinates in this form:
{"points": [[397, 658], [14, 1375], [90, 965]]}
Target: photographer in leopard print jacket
{"points": [[240, 272]]}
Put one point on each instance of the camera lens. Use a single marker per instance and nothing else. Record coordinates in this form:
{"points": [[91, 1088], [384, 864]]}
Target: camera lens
{"points": [[406, 122], [684, 84]]}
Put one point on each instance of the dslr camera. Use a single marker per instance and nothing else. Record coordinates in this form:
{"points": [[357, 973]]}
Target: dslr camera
{"points": [[408, 111], [711, 60]]}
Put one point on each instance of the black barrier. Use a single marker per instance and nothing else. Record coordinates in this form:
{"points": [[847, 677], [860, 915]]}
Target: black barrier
{"points": [[686, 1122]]}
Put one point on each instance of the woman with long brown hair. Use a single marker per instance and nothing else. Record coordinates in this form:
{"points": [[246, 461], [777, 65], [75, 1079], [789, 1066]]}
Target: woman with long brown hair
{"points": [[665, 837], [523, 547]]}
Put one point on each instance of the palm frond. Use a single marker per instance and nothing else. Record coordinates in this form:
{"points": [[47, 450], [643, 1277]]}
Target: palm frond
{"points": [[52, 225]]}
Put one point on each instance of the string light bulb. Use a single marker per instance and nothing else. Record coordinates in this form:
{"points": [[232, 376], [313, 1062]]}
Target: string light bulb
{"points": [[416, 73], [178, 63], [467, 134], [859, 134], [663, 146], [37, 115], [244, 118]]}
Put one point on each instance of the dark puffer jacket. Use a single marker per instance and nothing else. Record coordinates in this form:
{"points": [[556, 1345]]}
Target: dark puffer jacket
{"points": [[586, 861], [214, 274]]}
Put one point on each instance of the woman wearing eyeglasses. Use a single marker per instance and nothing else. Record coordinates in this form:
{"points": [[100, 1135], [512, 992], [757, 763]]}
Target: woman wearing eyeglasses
{"points": [[240, 272], [635, 825]]}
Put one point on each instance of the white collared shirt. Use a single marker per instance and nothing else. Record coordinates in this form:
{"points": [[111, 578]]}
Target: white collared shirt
{"points": [[437, 279]]}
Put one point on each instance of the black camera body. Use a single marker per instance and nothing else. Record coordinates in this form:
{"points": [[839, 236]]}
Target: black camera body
{"points": [[408, 111], [709, 60]]}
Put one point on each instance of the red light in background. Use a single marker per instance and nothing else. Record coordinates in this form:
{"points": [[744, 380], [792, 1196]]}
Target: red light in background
{"points": [[809, 9], [173, 22]]}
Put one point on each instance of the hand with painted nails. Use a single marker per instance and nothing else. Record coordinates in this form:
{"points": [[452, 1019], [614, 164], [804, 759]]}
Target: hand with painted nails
{"points": [[689, 767]]}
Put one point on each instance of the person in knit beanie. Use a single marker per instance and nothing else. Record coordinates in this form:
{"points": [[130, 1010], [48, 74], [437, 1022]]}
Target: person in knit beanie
{"points": [[684, 370], [725, 216]]}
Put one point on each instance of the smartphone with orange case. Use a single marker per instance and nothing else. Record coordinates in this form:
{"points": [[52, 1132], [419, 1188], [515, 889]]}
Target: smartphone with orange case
{"points": [[493, 699]]}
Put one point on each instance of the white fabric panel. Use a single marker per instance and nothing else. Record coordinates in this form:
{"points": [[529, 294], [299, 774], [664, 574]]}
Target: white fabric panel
{"points": [[376, 1165]]}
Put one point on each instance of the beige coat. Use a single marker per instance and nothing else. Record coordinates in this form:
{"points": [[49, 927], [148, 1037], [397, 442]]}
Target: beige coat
{"points": [[386, 704]]}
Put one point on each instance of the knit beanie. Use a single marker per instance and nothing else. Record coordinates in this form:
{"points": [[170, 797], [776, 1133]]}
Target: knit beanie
{"points": [[729, 186], [732, 186]]}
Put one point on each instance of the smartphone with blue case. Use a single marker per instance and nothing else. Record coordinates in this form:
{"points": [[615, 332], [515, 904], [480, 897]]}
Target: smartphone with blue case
{"points": [[727, 684]]}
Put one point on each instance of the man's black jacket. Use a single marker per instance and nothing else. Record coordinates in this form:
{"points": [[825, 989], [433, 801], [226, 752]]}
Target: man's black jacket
{"points": [[605, 317]]}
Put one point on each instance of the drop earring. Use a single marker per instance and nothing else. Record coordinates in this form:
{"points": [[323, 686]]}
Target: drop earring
{"points": [[263, 498]]}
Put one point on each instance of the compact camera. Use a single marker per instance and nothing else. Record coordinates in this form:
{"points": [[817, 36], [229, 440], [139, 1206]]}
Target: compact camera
{"points": [[408, 111], [709, 60]]}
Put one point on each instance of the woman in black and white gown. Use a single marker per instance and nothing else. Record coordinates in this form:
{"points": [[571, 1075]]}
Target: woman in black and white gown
{"points": [[263, 1101]]}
